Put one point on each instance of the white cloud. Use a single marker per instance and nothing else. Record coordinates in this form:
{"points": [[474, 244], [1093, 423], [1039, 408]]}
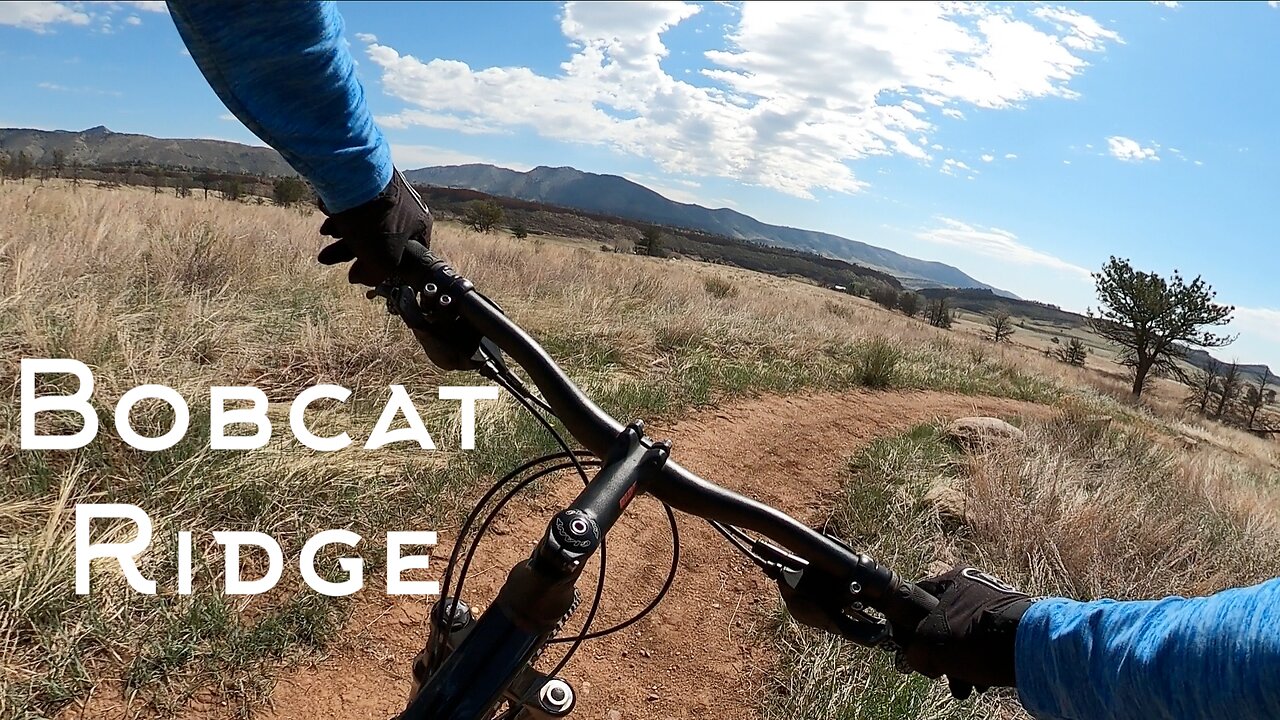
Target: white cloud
{"points": [[1264, 321], [996, 243], [988, 158], [794, 100], [1130, 150], [1273, 3], [1085, 33], [81, 90], [1168, 3], [953, 113], [1259, 330], [1199, 162], [1010, 156], [367, 37], [39, 16], [228, 117], [951, 165], [663, 186], [416, 156]]}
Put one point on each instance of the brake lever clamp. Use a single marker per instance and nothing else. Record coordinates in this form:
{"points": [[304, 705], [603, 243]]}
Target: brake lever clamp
{"points": [[820, 601]]}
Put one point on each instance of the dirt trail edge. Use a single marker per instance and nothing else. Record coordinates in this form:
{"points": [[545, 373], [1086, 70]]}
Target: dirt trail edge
{"points": [[693, 657]]}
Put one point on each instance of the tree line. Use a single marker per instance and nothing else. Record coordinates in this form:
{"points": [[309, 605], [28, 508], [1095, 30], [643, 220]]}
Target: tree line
{"points": [[183, 182]]}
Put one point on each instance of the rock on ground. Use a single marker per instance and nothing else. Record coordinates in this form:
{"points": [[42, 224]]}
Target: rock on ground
{"points": [[977, 432]]}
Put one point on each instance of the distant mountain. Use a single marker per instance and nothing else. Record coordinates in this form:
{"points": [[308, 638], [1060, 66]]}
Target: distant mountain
{"points": [[100, 146], [617, 196]]}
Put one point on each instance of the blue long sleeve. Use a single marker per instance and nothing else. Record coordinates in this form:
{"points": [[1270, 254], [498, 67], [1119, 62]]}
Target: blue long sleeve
{"points": [[283, 69], [1177, 658]]}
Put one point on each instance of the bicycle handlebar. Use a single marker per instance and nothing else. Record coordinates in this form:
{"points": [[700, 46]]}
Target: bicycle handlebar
{"points": [[902, 603]]}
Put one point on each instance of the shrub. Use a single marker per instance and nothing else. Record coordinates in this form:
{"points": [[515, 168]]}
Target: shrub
{"points": [[483, 215], [938, 313], [909, 303], [885, 296], [878, 363], [718, 287], [1073, 353]]}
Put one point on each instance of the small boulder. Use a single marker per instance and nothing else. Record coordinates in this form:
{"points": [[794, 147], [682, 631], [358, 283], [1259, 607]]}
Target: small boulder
{"points": [[978, 432], [951, 505]]}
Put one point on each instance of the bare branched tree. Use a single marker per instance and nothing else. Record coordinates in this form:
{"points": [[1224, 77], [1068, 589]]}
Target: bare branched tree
{"points": [[1204, 386], [1256, 397], [1001, 326], [1228, 389]]}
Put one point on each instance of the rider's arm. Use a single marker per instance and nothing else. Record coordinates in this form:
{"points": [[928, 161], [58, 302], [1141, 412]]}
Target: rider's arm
{"points": [[1212, 657], [284, 70]]}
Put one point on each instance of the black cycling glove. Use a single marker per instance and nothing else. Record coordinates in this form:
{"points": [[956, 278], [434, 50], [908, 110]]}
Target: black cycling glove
{"points": [[374, 235], [970, 636]]}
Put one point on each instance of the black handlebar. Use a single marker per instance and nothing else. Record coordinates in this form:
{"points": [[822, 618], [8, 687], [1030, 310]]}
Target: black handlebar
{"points": [[902, 603]]}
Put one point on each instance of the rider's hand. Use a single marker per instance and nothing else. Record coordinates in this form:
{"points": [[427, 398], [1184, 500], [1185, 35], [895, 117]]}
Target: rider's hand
{"points": [[374, 235], [970, 636]]}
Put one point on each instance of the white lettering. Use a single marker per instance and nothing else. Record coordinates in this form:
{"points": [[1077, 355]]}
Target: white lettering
{"points": [[76, 402]]}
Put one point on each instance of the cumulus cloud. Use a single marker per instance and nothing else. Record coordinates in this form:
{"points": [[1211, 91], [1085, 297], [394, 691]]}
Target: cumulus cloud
{"points": [[367, 38], [1010, 156], [40, 16], [1170, 3], [800, 93], [1130, 150], [988, 157], [996, 243]]}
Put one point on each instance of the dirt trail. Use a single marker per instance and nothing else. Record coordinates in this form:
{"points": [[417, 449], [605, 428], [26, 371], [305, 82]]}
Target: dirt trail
{"points": [[694, 657]]}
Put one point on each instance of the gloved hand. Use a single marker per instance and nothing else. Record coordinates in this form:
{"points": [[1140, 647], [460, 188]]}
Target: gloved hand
{"points": [[374, 236], [970, 636]]}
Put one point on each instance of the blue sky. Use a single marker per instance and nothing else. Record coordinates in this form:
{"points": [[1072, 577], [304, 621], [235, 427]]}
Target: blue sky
{"points": [[1023, 144]]}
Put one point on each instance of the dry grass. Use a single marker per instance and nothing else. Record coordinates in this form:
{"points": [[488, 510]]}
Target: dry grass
{"points": [[192, 293], [1076, 511]]}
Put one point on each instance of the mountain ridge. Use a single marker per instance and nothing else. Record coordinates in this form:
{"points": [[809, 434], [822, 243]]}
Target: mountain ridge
{"points": [[618, 196], [100, 145]]}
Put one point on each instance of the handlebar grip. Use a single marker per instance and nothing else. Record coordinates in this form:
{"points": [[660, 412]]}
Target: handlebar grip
{"points": [[419, 266], [905, 606]]}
